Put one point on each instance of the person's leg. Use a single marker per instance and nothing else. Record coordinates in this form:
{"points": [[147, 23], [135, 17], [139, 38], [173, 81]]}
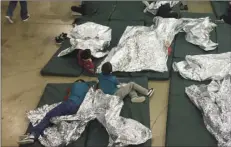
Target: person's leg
{"points": [[139, 88], [123, 91], [24, 12], [65, 108], [11, 7]]}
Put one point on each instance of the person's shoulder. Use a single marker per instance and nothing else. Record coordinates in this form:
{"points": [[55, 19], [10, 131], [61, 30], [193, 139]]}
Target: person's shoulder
{"points": [[113, 77]]}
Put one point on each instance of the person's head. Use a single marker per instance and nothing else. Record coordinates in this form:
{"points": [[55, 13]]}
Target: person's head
{"points": [[86, 54], [80, 81], [106, 68]]}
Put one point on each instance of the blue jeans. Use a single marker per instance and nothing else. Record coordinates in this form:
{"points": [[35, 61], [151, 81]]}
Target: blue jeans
{"points": [[12, 6], [65, 108]]}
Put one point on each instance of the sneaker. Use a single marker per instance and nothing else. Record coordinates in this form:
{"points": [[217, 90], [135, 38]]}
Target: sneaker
{"points": [[9, 19], [183, 7], [58, 40], [150, 92], [26, 19], [138, 99], [26, 139], [63, 36]]}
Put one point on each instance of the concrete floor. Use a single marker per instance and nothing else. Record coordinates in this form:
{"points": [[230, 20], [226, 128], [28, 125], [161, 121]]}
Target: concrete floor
{"points": [[27, 46]]}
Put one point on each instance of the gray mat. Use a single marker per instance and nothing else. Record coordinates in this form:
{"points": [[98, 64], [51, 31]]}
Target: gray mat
{"points": [[67, 65], [97, 135], [185, 126], [99, 10], [183, 47], [128, 10], [55, 93], [198, 15], [62, 66], [219, 7], [223, 37]]}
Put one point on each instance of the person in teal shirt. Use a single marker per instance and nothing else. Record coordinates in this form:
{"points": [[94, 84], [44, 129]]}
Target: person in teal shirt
{"points": [[110, 85], [70, 106]]}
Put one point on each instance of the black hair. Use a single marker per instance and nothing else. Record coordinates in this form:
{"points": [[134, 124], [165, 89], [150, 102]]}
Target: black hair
{"points": [[106, 68], [86, 54], [80, 80]]}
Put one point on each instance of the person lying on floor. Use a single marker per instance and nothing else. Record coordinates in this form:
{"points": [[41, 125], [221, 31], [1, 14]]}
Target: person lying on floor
{"points": [[110, 85], [85, 60], [76, 96], [165, 11]]}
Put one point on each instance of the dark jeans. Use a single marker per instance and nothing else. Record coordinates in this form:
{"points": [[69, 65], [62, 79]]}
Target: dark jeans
{"points": [[12, 6], [65, 108]]}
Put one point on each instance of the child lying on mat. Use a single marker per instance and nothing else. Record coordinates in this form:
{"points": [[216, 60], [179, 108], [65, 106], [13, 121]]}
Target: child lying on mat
{"points": [[85, 61], [110, 85], [68, 107]]}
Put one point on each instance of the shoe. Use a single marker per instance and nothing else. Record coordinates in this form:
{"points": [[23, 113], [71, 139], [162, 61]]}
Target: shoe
{"points": [[58, 40], [186, 7], [138, 99], [183, 7], [64, 36], [26, 19], [9, 19], [26, 139], [150, 92]]}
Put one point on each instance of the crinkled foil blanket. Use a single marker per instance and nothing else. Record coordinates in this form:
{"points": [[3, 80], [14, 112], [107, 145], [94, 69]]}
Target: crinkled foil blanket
{"points": [[154, 6], [91, 36], [96, 105], [144, 48], [214, 101], [203, 67]]}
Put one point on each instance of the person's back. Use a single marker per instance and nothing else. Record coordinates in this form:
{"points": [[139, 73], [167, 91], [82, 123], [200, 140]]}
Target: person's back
{"points": [[107, 82], [78, 92]]}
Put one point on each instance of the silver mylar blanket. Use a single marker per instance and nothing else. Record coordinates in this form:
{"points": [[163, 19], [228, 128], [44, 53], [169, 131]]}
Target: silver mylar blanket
{"points": [[214, 101], [203, 67], [144, 48], [96, 105], [154, 6], [198, 32], [91, 36]]}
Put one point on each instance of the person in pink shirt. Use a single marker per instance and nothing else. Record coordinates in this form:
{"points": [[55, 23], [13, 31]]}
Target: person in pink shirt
{"points": [[85, 60]]}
